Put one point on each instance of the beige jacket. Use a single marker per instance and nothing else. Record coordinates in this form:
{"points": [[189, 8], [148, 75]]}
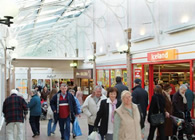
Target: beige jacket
{"points": [[129, 128], [90, 108]]}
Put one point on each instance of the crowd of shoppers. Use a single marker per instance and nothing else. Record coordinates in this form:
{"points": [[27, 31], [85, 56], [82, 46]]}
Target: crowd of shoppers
{"points": [[115, 117]]}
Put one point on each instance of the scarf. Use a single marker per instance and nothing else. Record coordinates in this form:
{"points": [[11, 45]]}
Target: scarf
{"points": [[168, 95], [184, 98], [113, 109]]}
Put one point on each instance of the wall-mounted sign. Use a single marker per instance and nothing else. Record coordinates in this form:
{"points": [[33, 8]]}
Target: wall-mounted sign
{"points": [[86, 74], [162, 55], [137, 73], [51, 76]]}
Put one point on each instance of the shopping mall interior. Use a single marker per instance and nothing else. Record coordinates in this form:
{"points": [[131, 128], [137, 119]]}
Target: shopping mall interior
{"points": [[86, 43]]}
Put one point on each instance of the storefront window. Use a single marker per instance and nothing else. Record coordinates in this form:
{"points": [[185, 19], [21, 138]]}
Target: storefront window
{"points": [[41, 83], [124, 77], [34, 83], [109, 80], [21, 84], [103, 78], [55, 83], [113, 81], [47, 83]]}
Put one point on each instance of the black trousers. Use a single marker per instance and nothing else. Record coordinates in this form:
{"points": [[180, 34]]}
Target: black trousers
{"points": [[34, 123], [160, 130]]}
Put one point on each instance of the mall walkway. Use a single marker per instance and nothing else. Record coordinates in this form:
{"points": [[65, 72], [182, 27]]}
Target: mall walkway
{"points": [[43, 136]]}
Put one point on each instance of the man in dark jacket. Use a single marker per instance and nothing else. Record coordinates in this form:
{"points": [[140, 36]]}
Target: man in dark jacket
{"points": [[64, 107], [14, 109], [179, 103], [140, 96], [120, 87]]}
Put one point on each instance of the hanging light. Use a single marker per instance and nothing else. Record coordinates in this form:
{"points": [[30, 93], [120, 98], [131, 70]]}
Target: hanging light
{"points": [[73, 65]]}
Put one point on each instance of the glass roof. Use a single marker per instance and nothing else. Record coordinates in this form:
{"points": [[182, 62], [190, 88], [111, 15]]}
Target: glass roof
{"points": [[39, 21]]}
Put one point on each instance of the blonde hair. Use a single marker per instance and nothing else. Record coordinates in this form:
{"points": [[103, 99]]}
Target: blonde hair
{"points": [[124, 93]]}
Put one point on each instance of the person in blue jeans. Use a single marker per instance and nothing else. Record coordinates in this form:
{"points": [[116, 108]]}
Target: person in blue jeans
{"points": [[51, 127], [78, 108], [64, 107]]}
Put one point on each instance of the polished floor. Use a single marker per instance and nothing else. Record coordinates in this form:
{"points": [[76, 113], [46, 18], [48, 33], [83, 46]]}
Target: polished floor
{"points": [[43, 136]]}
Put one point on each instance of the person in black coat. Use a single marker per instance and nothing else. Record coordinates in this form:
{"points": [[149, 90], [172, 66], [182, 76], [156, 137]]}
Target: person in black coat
{"points": [[179, 103], [140, 96], [106, 114], [120, 87], [157, 98]]}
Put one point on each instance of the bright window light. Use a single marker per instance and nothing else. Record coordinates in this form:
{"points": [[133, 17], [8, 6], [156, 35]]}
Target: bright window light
{"points": [[101, 49], [142, 31], [185, 19]]}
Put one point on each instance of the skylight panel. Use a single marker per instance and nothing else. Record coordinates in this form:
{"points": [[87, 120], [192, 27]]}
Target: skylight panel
{"points": [[46, 19], [44, 12], [49, 1], [72, 13]]}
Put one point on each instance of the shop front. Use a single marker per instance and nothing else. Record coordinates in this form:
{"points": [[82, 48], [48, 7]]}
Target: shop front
{"points": [[85, 81], [107, 74], [163, 67]]}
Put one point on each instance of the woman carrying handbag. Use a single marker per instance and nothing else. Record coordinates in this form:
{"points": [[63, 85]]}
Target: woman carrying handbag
{"points": [[156, 116]]}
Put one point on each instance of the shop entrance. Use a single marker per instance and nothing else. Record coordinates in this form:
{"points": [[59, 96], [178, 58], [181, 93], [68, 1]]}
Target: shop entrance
{"points": [[176, 74]]}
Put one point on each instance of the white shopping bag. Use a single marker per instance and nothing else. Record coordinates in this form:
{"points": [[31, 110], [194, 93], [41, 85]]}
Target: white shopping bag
{"points": [[94, 136]]}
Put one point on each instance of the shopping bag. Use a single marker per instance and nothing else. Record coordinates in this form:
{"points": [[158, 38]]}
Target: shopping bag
{"points": [[76, 128], [94, 136]]}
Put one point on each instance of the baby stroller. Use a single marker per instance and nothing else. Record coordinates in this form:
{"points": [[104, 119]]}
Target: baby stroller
{"points": [[186, 125], [44, 107]]}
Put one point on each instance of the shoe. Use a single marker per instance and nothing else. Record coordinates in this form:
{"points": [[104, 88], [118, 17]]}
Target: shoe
{"points": [[52, 133], [36, 134], [74, 136]]}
